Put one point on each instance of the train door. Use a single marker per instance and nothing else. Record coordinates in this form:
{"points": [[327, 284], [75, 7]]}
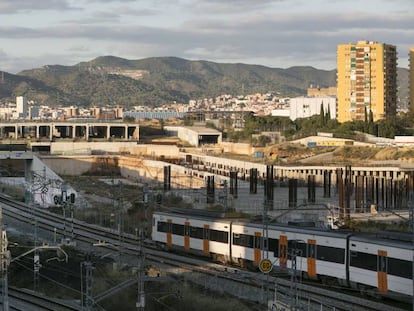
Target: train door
{"points": [[382, 268], [257, 248], [186, 236], [169, 233], [311, 258], [283, 250], [206, 239]]}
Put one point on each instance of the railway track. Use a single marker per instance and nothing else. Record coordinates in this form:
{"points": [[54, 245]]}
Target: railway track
{"points": [[23, 300], [235, 281]]}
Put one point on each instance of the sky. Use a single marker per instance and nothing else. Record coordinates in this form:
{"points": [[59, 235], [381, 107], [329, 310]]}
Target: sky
{"points": [[273, 33]]}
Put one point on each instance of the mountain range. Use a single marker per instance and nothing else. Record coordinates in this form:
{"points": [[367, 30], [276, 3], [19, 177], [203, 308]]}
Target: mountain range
{"points": [[110, 80]]}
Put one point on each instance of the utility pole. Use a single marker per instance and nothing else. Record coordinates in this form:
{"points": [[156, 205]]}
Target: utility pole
{"points": [[293, 280], [4, 263], [63, 200], [36, 255], [141, 273], [86, 285], [120, 223]]}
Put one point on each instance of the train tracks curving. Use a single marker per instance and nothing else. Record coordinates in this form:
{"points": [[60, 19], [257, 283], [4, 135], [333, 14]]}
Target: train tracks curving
{"points": [[252, 286]]}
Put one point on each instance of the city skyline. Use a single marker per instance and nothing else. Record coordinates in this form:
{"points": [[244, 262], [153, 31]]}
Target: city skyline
{"points": [[273, 33]]}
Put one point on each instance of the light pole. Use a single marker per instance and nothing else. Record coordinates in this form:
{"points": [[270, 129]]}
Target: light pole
{"points": [[293, 280], [63, 199], [140, 304]]}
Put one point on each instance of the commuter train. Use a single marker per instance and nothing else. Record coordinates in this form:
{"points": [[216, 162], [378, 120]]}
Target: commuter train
{"points": [[383, 264]]}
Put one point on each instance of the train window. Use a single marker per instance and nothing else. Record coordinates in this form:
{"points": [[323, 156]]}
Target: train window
{"points": [[399, 267], [311, 251], [382, 263], [196, 232], [162, 226], [364, 261], [243, 240], [177, 229], [283, 251], [265, 243], [298, 247], [274, 246], [219, 236], [206, 234], [331, 254], [257, 242]]}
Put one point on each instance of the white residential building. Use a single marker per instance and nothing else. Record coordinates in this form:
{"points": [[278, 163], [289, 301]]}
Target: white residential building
{"points": [[305, 107], [21, 106]]}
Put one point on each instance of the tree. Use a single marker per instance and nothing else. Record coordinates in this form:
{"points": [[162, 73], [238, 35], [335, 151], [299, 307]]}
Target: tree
{"points": [[322, 116], [263, 140], [328, 115], [129, 119]]}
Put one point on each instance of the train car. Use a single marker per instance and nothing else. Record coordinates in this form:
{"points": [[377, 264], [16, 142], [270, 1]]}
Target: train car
{"points": [[194, 234], [386, 265], [353, 260], [318, 253]]}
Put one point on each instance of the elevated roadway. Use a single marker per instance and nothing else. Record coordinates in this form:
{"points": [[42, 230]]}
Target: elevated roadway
{"points": [[75, 129]]}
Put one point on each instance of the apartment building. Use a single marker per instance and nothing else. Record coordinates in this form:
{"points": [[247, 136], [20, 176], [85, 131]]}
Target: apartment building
{"points": [[366, 80], [21, 106]]}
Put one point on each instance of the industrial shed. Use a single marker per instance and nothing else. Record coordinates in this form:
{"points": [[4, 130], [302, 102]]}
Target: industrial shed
{"points": [[195, 135]]}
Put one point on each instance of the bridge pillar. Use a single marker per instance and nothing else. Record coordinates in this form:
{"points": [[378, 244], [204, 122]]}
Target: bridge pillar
{"points": [[87, 132], [51, 128]]}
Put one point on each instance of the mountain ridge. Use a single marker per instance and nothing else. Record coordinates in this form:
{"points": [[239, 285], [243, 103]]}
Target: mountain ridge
{"points": [[154, 81]]}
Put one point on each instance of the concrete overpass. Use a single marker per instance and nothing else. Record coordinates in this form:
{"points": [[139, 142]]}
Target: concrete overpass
{"points": [[74, 129]]}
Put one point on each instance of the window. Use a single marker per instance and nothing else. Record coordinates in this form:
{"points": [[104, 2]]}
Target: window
{"points": [[382, 264], [311, 251], [363, 261], [399, 267], [257, 242], [196, 232], [243, 240], [162, 226], [331, 254], [219, 236], [274, 247], [177, 229], [298, 247]]}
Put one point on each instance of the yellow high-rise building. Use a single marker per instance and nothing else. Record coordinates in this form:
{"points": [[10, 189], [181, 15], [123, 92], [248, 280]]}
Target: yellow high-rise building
{"points": [[412, 78], [366, 81]]}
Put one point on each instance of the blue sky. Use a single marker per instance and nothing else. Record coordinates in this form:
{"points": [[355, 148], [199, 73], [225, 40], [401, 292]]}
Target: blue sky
{"points": [[274, 33]]}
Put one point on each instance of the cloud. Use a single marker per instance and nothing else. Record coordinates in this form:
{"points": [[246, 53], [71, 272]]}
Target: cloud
{"points": [[262, 36], [18, 6], [78, 48], [230, 6], [110, 16]]}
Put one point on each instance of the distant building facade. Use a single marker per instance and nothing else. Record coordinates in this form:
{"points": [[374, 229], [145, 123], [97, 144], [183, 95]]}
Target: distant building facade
{"points": [[366, 80], [21, 106], [196, 136], [321, 91], [305, 107]]}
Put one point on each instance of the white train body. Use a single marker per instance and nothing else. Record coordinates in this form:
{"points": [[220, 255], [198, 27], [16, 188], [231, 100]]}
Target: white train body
{"points": [[386, 265], [351, 259]]}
